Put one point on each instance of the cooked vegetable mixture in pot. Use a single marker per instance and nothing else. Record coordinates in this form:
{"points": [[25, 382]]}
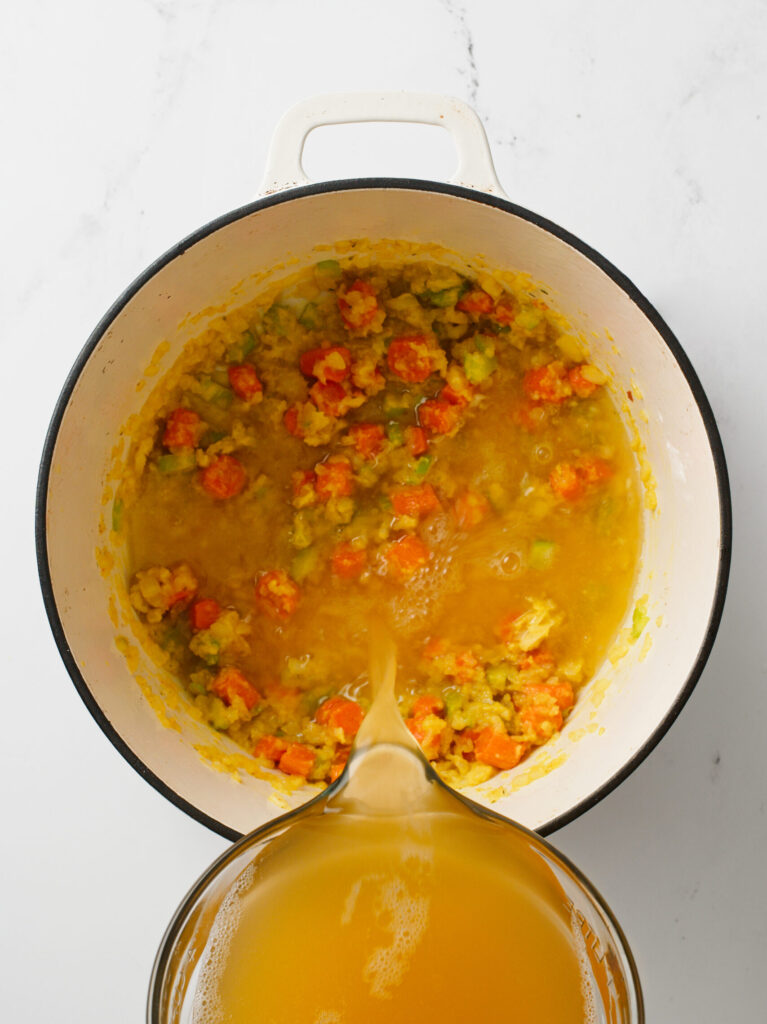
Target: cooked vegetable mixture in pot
{"points": [[394, 442]]}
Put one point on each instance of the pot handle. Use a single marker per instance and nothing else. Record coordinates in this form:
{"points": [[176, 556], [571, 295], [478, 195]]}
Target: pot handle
{"points": [[475, 163]]}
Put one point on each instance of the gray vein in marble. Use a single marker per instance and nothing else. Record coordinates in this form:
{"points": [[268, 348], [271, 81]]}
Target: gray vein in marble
{"points": [[470, 72]]}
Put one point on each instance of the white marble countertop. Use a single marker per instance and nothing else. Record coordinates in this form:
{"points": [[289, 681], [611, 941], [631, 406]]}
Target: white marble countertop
{"points": [[640, 127]]}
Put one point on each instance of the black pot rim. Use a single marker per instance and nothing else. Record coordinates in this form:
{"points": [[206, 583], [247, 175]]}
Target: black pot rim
{"points": [[412, 184]]}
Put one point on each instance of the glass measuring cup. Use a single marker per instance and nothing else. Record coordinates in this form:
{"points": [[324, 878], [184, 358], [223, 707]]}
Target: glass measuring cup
{"points": [[388, 794]]}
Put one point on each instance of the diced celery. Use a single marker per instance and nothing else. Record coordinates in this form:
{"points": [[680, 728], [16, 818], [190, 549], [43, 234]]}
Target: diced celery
{"points": [[447, 297], [308, 317], [496, 676], [180, 462], [453, 699], [542, 554], [395, 433], [304, 563], [423, 465], [639, 620], [239, 349], [211, 436], [332, 268], [478, 366], [215, 393], [528, 319], [118, 508], [198, 682], [278, 319]]}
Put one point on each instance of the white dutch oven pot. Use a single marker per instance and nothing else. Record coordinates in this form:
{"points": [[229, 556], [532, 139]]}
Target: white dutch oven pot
{"points": [[627, 708]]}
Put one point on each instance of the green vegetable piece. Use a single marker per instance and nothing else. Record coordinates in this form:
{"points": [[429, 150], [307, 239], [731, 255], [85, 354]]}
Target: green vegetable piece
{"points": [[385, 503], [118, 508], [309, 318], [331, 268], [180, 462], [478, 366], [528, 319], [215, 393], [496, 676], [205, 646], [304, 563], [453, 700], [423, 465], [447, 297], [211, 436], [542, 554], [236, 352], [278, 320], [198, 682], [639, 620], [395, 433]]}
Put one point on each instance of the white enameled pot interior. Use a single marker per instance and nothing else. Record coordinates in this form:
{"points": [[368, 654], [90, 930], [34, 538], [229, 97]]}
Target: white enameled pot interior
{"points": [[623, 706]]}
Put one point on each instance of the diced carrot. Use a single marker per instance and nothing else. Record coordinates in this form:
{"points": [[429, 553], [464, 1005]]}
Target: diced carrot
{"points": [[541, 717], [304, 488], [347, 561], [368, 439], [204, 613], [231, 683], [244, 381], [184, 585], [406, 555], [330, 398], [475, 301], [270, 747], [357, 305], [439, 417], [547, 384], [498, 749], [566, 482], [224, 478], [542, 704], [570, 480], [593, 470], [278, 594], [298, 759], [409, 358], [182, 430], [580, 384], [424, 736], [334, 478], [338, 763], [466, 665], [416, 500], [327, 364], [290, 419], [415, 439], [341, 713], [539, 658], [505, 311], [427, 704], [562, 692], [452, 397], [470, 508]]}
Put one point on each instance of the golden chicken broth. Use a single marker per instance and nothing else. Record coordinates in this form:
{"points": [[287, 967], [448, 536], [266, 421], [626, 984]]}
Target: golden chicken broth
{"points": [[406, 441], [430, 918]]}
